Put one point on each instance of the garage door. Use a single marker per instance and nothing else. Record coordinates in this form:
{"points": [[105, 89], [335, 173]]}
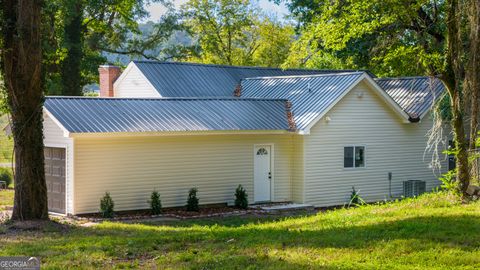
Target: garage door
{"points": [[55, 177]]}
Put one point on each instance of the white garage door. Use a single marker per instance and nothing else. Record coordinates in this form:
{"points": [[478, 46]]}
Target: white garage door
{"points": [[55, 177]]}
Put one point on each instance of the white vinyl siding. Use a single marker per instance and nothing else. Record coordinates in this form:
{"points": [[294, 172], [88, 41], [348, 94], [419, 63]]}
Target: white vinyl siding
{"points": [[130, 168], [133, 84], [53, 136], [390, 146], [298, 168]]}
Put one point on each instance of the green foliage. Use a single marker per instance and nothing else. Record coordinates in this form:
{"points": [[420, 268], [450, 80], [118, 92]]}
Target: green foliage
{"points": [[235, 32], [78, 35], [273, 44], [106, 206], [241, 197], [90, 94], [390, 38], [449, 181], [70, 72], [6, 142], [3, 98], [6, 176], [155, 203], [355, 198], [192, 201], [6, 199]]}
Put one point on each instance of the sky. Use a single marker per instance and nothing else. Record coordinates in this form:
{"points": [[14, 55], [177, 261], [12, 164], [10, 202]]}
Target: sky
{"points": [[156, 10]]}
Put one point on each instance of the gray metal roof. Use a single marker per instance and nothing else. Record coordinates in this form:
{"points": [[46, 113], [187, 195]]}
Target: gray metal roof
{"points": [[173, 79], [94, 115], [414, 94], [310, 95]]}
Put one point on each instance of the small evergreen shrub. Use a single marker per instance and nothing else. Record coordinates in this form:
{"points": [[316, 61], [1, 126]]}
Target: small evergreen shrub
{"points": [[155, 203], [355, 198], [6, 176], [241, 197], [192, 201], [106, 206]]}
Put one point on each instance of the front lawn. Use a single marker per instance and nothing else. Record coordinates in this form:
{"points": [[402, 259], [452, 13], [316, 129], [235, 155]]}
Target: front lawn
{"points": [[6, 198], [427, 233], [6, 143]]}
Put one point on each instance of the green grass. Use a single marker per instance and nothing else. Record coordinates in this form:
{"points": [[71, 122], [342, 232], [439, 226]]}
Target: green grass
{"points": [[6, 198], [6, 144], [432, 232]]}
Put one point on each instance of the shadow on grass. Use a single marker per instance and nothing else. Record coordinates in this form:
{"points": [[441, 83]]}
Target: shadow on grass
{"points": [[231, 221], [458, 230], [214, 246]]}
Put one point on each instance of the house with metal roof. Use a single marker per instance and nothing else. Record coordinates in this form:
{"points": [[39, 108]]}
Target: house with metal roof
{"points": [[303, 136]]}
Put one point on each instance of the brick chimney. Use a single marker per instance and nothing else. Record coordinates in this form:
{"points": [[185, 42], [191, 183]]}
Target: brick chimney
{"points": [[108, 74]]}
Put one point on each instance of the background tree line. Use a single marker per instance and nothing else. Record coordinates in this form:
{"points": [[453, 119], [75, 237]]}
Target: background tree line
{"points": [[79, 35]]}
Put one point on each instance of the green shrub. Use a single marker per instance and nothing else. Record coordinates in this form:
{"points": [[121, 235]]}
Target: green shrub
{"points": [[155, 203], [192, 201], [241, 197], [106, 206], [355, 198], [6, 175], [449, 181]]}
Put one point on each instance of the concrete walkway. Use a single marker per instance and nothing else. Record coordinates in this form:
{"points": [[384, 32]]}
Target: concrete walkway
{"points": [[285, 207], [6, 165]]}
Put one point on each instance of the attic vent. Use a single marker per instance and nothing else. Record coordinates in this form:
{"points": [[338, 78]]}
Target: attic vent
{"points": [[413, 188]]}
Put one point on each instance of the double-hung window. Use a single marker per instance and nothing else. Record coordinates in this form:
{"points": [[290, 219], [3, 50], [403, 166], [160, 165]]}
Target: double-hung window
{"points": [[354, 157]]}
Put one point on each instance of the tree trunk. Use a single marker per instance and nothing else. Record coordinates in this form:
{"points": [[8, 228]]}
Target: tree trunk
{"points": [[71, 66], [472, 76], [21, 57], [452, 79]]}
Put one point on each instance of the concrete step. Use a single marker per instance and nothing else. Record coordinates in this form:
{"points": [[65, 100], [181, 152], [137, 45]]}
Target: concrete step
{"points": [[285, 207]]}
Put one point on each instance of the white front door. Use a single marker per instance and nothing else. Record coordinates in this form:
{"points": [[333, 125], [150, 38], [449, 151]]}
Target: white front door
{"points": [[262, 173]]}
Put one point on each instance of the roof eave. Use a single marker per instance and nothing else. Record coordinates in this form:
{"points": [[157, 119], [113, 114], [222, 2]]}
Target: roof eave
{"points": [[176, 133]]}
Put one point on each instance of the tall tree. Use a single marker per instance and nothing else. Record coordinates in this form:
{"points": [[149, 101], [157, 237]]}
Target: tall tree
{"points": [[225, 29], [78, 34], [21, 67], [275, 39], [235, 32], [390, 38], [472, 75], [453, 77], [71, 74]]}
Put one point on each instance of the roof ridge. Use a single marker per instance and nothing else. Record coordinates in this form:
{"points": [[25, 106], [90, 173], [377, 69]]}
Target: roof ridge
{"points": [[405, 78], [170, 98], [246, 67], [306, 76]]}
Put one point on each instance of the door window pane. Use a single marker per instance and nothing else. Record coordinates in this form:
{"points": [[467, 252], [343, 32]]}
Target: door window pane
{"points": [[262, 152]]}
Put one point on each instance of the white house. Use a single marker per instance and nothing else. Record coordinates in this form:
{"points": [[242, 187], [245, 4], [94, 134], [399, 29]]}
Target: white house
{"points": [[306, 136]]}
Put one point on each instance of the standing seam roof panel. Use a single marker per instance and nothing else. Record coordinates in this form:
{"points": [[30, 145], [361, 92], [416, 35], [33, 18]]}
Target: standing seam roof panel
{"points": [[415, 95], [172, 79], [93, 115], [310, 95]]}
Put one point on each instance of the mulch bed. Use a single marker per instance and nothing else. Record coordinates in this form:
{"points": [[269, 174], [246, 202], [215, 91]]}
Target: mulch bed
{"points": [[179, 213]]}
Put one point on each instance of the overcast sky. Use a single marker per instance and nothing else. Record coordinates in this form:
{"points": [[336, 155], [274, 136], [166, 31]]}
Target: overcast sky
{"points": [[156, 10]]}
